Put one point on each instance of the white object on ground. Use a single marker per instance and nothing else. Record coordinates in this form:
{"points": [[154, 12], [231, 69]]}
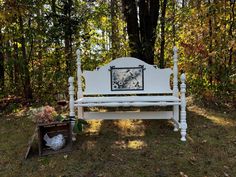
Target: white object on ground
{"points": [[56, 142]]}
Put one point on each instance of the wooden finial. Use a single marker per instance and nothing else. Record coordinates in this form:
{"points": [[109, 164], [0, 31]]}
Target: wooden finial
{"points": [[183, 77], [78, 56], [175, 49], [78, 52], [71, 79], [175, 72]]}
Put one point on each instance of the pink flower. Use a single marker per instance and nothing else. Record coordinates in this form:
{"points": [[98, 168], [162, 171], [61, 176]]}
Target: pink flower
{"points": [[46, 115]]}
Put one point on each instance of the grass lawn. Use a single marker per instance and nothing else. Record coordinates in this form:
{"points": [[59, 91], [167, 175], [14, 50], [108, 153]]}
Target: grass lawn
{"points": [[130, 148]]}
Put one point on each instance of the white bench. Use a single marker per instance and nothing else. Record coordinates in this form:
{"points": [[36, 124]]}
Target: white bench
{"points": [[130, 82]]}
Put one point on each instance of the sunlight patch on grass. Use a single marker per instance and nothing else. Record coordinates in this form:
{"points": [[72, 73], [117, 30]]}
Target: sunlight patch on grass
{"points": [[136, 144], [214, 117], [132, 144], [125, 124], [220, 120], [94, 126], [136, 128]]}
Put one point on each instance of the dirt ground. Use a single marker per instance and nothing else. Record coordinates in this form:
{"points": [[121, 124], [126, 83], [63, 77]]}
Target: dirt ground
{"points": [[128, 148]]}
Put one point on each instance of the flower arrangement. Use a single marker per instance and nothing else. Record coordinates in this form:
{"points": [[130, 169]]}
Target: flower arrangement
{"points": [[46, 115]]}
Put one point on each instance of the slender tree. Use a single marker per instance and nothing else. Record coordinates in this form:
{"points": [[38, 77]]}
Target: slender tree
{"points": [[25, 59], [67, 14], [1, 63], [115, 41], [163, 22], [210, 31], [231, 29], [16, 65]]}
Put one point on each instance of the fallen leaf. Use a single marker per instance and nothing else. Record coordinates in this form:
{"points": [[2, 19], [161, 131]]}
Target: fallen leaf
{"points": [[101, 175], [182, 174], [193, 158], [226, 167], [226, 174]]}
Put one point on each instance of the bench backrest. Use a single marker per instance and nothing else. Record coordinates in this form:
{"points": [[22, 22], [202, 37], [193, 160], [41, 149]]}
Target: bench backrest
{"points": [[126, 75]]}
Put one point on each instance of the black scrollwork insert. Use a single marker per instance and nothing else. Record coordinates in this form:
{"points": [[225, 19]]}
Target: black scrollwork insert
{"points": [[127, 78]]}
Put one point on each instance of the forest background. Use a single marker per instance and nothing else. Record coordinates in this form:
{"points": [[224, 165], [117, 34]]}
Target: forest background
{"points": [[38, 40]]}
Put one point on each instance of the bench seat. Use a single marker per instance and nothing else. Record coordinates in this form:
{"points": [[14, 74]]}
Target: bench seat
{"points": [[128, 99], [124, 101]]}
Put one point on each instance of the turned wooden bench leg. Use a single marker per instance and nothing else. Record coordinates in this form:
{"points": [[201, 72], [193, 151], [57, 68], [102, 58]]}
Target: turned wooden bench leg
{"points": [[183, 108], [176, 117]]}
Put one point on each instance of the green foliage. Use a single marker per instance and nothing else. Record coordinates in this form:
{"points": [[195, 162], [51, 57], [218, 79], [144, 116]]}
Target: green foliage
{"points": [[206, 43], [60, 118], [78, 127], [51, 31]]}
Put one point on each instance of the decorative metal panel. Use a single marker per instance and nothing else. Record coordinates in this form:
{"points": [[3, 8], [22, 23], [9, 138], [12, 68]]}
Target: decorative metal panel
{"points": [[127, 78]]}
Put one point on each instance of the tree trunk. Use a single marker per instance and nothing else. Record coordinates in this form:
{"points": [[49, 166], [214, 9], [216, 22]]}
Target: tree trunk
{"points": [[40, 50], [1, 64], [130, 13], [8, 58], [40, 57], [68, 36], [16, 65], [57, 42], [148, 15], [232, 25], [210, 31], [26, 73], [162, 53], [115, 42], [141, 21]]}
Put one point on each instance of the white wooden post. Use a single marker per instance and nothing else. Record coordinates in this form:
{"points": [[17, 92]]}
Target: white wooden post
{"points": [[79, 82], [183, 108], [175, 87], [72, 104], [175, 71]]}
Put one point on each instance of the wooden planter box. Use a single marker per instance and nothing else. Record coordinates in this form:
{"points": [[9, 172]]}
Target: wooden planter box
{"points": [[53, 129]]}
